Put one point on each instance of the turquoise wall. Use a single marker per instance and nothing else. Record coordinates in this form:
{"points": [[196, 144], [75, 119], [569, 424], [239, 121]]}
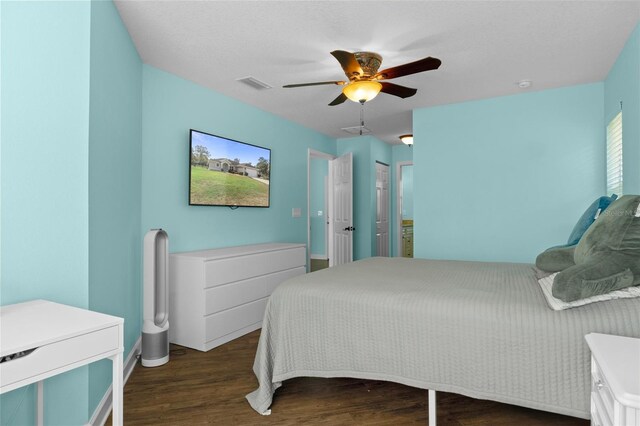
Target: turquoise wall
{"points": [[502, 179], [115, 143], [171, 106], [71, 106], [399, 153], [114, 138], [407, 192], [366, 151], [44, 179], [318, 171], [623, 84]]}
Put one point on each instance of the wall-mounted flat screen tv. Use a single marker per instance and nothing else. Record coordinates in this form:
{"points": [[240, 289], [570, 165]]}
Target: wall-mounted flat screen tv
{"points": [[225, 172]]}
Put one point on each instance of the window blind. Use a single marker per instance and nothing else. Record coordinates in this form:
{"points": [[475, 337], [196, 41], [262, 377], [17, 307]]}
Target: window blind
{"points": [[614, 155]]}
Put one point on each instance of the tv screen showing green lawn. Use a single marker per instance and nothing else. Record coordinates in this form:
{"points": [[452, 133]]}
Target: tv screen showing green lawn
{"points": [[225, 172]]}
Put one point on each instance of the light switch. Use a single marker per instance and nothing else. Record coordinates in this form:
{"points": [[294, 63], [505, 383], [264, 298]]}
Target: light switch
{"points": [[320, 212], [295, 212]]}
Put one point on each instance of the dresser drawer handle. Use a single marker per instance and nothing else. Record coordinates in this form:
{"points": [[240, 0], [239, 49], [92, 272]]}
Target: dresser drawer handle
{"points": [[16, 355]]}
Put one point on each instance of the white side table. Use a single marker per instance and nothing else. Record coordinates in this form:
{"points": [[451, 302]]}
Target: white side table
{"points": [[615, 377], [40, 339]]}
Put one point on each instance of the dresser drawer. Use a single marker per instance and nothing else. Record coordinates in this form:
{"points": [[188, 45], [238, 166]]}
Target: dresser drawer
{"points": [[285, 275], [234, 319], [223, 271], [599, 415], [59, 354], [241, 292], [602, 392]]}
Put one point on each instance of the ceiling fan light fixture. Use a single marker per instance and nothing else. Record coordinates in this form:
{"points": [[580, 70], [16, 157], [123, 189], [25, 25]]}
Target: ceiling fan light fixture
{"points": [[362, 90], [407, 139]]}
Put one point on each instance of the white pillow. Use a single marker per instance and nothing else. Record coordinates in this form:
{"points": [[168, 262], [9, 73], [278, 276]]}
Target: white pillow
{"points": [[556, 304]]}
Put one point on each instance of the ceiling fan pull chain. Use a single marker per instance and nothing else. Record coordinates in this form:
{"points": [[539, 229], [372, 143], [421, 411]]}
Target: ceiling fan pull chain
{"points": [[361, 116]]}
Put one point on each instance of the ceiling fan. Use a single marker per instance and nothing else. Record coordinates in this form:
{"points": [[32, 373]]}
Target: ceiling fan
{"points": [[361, 68]]}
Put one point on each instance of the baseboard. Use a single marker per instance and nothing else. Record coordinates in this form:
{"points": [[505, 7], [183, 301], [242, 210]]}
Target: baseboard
{"points": [[101, 414], [318, 257]]}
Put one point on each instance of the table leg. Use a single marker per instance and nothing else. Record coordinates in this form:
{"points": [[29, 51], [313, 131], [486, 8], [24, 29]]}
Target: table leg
{"points": [[432, 407], [116, 387], [40, 404]]}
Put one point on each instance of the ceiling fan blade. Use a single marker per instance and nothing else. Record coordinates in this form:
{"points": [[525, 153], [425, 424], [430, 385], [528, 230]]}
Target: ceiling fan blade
{"points": [[348, 62], [339, 83], [397, 90], [426, 64], [337, 101]]}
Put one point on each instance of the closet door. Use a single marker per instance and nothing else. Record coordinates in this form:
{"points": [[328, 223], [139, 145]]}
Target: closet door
{"points": [[382, 210]]}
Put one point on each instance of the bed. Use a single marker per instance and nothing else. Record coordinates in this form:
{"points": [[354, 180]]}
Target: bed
{"points": [[479, 329]]}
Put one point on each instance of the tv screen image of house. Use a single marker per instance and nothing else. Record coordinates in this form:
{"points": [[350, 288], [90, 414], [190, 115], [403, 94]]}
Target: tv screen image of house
{"points": [[225, 172]]}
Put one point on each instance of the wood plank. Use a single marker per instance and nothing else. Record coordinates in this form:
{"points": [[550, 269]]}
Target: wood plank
{"points": [[199, 388]]}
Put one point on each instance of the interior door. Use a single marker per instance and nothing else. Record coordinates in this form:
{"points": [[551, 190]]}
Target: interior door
{"points": [[341, 220], [382, 210]]}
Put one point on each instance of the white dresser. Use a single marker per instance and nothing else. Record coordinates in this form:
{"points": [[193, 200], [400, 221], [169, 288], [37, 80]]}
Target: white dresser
{"points": [[220, 294], [615, 373]]}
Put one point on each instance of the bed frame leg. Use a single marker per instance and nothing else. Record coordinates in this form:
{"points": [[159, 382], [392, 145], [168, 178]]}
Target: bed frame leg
{"points": [[432, 407]]}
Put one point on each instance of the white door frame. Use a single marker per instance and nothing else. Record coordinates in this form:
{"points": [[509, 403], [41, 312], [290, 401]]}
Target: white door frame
{"points": [[311, 153], [399, 165], [388, 208]]}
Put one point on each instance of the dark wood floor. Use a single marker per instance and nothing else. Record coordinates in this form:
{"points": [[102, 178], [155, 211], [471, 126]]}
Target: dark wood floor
{"points": [[197, 388], [317, 264]]}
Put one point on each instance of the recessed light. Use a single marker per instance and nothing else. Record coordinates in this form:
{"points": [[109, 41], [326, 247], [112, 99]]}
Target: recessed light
{"points": [[524, 84]]}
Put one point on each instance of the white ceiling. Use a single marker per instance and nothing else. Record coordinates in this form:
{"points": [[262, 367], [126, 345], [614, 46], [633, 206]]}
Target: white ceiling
{"points": [[485, 48]]}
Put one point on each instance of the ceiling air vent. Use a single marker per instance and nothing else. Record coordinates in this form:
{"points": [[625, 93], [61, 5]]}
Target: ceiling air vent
{"points": [[355, 130], [254, 82]]}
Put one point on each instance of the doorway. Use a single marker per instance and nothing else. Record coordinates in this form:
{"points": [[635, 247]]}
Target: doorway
{"points": [[382, 209], [317, 206], [329, 210], [404, 209]]}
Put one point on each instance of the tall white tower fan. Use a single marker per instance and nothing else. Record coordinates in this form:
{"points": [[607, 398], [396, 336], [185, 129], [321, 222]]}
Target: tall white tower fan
{"points": [[155, 326]]}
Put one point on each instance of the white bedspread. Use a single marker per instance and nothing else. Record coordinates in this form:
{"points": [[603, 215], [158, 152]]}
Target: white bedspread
{"points": [[479, 329]]}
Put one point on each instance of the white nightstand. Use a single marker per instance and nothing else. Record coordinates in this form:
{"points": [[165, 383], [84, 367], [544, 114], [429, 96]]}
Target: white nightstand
{"points": [[615, 380]]}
